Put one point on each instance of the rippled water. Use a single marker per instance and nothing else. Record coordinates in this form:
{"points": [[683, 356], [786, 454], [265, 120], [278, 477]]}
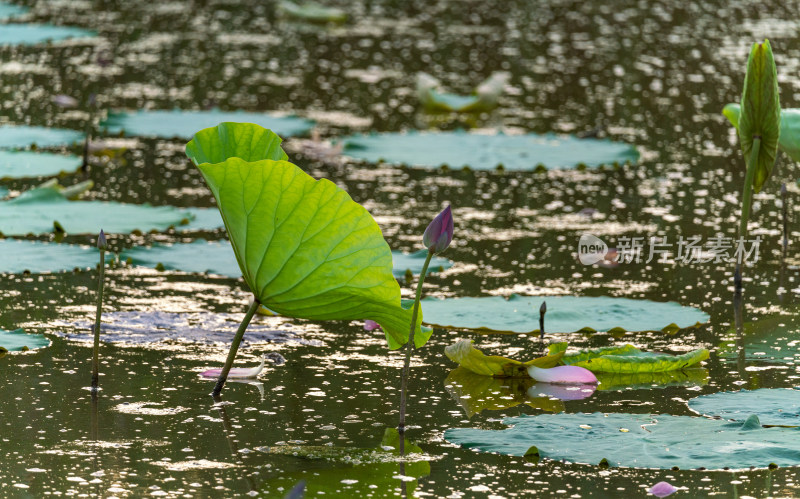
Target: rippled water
{"points": [[655, 74]]}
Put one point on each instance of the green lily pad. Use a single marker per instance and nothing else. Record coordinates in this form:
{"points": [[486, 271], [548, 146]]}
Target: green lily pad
{"points": [[306, 249], [639, 440], [217, 257], [19, 137], [32, 34], [27, 164], [37, 257], [36, 211], [10, 11], [485, 152], [312, 13], [629, 359], [183, 124], [565, 314], [19, 340], [773, 406], [352, 472]]}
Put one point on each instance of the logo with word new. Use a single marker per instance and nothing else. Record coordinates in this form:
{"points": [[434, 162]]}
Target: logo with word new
{"points": [[591, 249]]}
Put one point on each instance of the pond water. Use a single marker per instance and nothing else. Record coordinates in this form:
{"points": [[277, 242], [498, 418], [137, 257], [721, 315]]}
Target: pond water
{"points": [[653, 74]]}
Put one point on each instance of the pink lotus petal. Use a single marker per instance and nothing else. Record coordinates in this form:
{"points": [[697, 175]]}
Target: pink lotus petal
{"points": [[569, 375], [371, 325], [236, 372], [662, 489]]}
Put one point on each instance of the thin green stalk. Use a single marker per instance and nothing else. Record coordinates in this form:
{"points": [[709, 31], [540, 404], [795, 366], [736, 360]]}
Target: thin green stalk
{"points": [[747, 199], [96, 346], [409, 348], [223, 376]]}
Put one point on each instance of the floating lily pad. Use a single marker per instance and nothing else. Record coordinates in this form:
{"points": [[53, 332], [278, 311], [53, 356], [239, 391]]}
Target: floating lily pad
{"points": [[218, 257], [565, 314], [156, 327], [9, 10], [19, 137], [36, 211], [19, 340], [183, 124], [202, 219], [628, 359], [773, 406], [485, 152], [37, 257], [639, 440], [32, 34], [402, 262], [26, 164]]}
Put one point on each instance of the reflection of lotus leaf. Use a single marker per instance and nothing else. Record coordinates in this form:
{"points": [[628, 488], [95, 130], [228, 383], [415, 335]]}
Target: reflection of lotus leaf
{"points": [[352, 472], [773, 406], [646, 380], [486, 152], [565, 314], [639, 440], [476, 393]]}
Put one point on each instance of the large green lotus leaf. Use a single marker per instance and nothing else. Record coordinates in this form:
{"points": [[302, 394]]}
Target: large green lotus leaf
{"points": [[789, 140], [565, 314], [37, 257], [15, 341], [26, 164], [312, 13], [773, 406], [351, 472], [19, 137], [639, 440], [35, 211], [183, 124], [696, 376], [217, 257], [483, 99], [9, 10], [32, 34], [484, 152], [304, 247], [760, 112], [629, 359], [473, 360]]}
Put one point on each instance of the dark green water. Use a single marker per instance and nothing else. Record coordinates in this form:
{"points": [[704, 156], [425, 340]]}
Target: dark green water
{"points": [[655, 74]]}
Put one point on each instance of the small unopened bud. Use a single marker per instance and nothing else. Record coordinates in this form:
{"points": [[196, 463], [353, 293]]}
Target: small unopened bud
{"points": [[439, 233], [543, 308], [101, 240]]}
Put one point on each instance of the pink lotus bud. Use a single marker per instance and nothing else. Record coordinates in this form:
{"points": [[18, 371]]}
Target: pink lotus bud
{"points": [[662, 489], [565, 375], [439, 233], [371, 325]]}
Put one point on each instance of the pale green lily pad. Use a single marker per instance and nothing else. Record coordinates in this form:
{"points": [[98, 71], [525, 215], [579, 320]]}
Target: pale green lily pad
{"points": [[36, 211], [19, 340], [19, 137], [639, 440], [773, 406], [27, 164], [565, 314], [202, 219], [217, 257], [183, 124], [628, 359], [10, 11], [37, 257], [32, 34], [485, 152]]}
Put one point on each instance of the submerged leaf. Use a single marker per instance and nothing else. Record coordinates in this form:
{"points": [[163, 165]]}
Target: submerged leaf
{"points": [[472, 359], [629, 359], [760, 111], [486, 152], [305, 248], [638, 441]]}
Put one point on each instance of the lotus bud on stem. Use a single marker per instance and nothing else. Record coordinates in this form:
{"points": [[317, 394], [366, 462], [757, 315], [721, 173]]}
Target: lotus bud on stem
{"points": [[223, 376], [437, 237], [102, 245], [542, 311]]}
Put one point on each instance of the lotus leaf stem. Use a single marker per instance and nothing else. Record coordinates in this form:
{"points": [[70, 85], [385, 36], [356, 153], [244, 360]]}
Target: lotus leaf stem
{"points": [[223, 376], [96, 345], [747, 199]]}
